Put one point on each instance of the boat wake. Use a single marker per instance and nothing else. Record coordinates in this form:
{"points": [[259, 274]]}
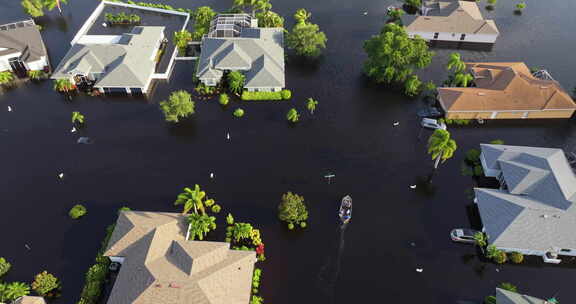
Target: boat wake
{"points": [[330, 270]]}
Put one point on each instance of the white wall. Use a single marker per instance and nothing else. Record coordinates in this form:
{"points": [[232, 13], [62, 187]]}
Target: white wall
{"points": [[263, 89], [488, 172], [37, 65], [4, 65], [483, 38]]}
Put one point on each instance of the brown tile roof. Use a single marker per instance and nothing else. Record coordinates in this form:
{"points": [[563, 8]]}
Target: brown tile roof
{"points": [[29, 300], [452, 17], [505, 86], [160, 266]]}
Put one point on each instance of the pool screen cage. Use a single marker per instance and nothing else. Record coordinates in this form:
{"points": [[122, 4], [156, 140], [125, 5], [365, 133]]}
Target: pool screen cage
{"points": [[229, 25]]}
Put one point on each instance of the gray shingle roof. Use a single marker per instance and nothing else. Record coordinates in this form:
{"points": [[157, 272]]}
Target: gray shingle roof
{"points": [[160, 266], [509, 297], [22, 37], [128, 63], [537, 212], [260, 51]]}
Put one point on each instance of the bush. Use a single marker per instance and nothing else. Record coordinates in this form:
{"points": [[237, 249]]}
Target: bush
{"points": [[238, 112], [246, 95], [500, 257], [516, 257], [490, 300], [292, 209], [497, 142], [4, 266], [45, 282], [473, 156], [36, 74], [303, 225], [508, 286], [291, 226], [124, 209], [230, 219], [216, 208], [286, 94], [77, 211], [224, 99]]}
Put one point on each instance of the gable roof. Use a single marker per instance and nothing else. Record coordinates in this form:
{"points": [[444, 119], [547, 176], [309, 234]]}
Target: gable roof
{"points": [[510, 297], [161, 266], [128, 63], [259, 51], [450, 17], [22, 37], [537, 211], [505, 86]]}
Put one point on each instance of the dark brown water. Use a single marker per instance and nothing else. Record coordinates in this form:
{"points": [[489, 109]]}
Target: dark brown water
{"points": [[140, 161]]}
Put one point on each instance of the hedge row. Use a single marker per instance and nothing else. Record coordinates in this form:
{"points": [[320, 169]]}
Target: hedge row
{"points": [[96, 275], [282, 95]]}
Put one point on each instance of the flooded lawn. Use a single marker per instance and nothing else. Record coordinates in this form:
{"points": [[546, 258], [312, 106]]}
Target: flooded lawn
{"points": [[138, 160]]}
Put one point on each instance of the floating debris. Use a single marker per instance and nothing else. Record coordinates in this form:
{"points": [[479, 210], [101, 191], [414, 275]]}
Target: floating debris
{"points": [[9, 109], [329, 176], [419, 269], [228, 136], [61, 175], [73, 130], [396, 123], [413, 244], [84, 140], [211, 175], [412, 186], [365, 13], [27, 247]]}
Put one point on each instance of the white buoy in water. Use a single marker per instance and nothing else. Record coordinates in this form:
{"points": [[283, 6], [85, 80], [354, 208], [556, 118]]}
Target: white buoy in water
{"points": [[228, 136], [61, 175], [396, 123], [9, 109], [419, 269], [365, 13], [73, 129], [413, 187], [211, 175]]}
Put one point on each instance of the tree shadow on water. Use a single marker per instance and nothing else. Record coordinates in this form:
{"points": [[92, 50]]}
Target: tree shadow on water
{"points": [[185, 128]]}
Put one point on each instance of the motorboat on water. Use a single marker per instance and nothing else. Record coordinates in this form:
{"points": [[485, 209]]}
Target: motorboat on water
{"points": [[346, 209]]}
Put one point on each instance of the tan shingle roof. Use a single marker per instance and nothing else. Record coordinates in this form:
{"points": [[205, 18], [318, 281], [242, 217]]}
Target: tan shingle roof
{"points": [[160, 266], [505, 86], [29, 300], [452, 17]]}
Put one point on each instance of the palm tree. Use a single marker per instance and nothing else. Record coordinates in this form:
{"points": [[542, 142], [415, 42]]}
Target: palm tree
{"points": [[181, 40], [480, 239], [50, 4], [6, 77], [455, 62], [462, 80], [15, 290], [236, 82], [191, 199], [311, 105], [77, 117], [64, 85], [293, 115], [301, 16], [242, 231], [440, 146], [412, 86], [200, 225], [3, 292]]}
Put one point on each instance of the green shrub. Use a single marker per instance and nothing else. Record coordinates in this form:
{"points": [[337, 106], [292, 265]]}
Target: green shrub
{"points": [[291, 226], [293, 115], [216, 208], [516, 257], [4, 266], [286, 94], [500, 257], [238, 112], [246, 95], [497, 142], [230, 219], [44, 282], [473, 156], [77, 211], [227, 240], [224, 99], [490, 300], [179, 105], [303, 225], [6, 77], [508, 286], [36, 74], [124, 209]]}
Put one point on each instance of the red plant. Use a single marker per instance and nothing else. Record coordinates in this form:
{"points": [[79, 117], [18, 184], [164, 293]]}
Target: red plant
{"points": [[260, 249]]}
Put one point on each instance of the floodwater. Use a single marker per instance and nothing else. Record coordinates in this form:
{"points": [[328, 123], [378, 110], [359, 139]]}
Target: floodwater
{"points": [[142, 162]]}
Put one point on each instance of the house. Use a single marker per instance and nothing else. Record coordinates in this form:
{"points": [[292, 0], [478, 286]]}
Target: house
{"points": [[159, 264], [509, 297], [22, 48], [456, 21], [236, 43], [506, 90], [534, 211], [29, 300], [122, 59]]}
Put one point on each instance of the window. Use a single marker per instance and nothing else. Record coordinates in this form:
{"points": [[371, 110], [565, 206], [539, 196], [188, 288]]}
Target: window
{"points": [[564, 250], [462, 37], [436, 35]]}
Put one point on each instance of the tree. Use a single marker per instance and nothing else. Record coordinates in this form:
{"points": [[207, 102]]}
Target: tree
{"points": [[413, 3], [236, 82], [292, 209], [430, 88], [393, 56], [238, 112], [440, 146], [200, 225], [306, 39], [4, 267], [181, 40], [293, 115], [51, 4], [64, 85], [508, 286], [254, 5], [480, 239], [191, 199], [455, 63], [311, 105], [34, 8], [6, 77], [412, 86], [77, 117], [179, 105], [462, 80], [44, 282], [77, 211], [202, 18], [396, 14], [242, 231], [15, 290], [269, 19]]}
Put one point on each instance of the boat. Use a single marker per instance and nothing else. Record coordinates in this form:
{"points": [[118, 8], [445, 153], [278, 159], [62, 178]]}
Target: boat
{"points": [[346, 209]]}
